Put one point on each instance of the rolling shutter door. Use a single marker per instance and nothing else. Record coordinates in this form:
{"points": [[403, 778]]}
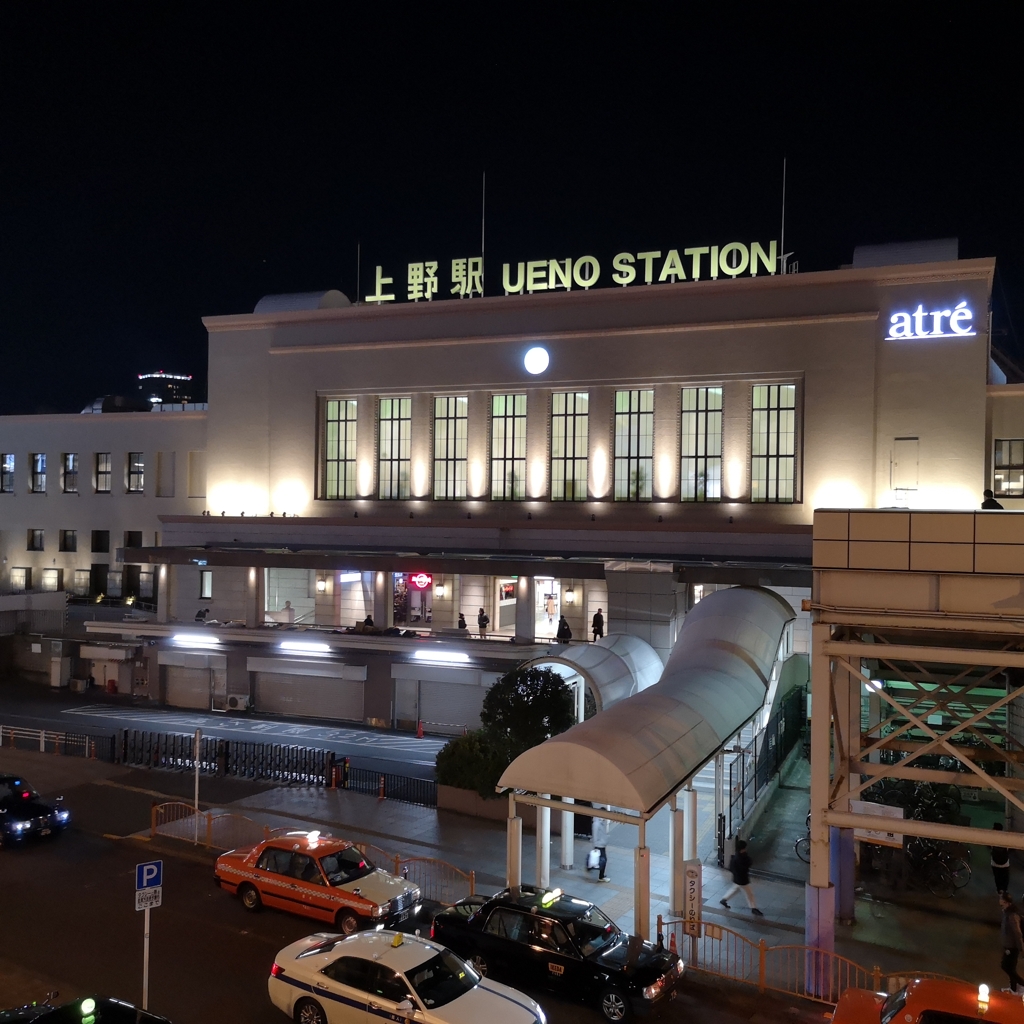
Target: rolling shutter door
{"points": [[451, 707], [309, 696], [187, 687]]}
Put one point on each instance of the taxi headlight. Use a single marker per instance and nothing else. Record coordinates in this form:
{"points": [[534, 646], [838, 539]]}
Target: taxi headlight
{"points": [[19, 826], [654, 990], [63, 816], [380, 911]]}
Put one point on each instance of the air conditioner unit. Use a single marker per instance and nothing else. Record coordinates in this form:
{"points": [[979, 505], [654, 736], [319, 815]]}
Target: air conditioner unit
{"points": [[238, 702]]}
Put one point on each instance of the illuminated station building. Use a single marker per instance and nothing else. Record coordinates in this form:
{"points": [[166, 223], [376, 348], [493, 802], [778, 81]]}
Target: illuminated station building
{"points": [[551, 452]]}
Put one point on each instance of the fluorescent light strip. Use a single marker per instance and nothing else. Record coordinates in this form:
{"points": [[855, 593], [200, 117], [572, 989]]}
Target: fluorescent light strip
{"points": [[446, 657], [305, 647], [195, 640], [350, 577]]}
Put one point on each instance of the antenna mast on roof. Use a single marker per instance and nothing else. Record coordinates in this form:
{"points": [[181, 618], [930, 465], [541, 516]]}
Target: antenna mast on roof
{"points": [[358, 268], [483, 226], [783, 255]]}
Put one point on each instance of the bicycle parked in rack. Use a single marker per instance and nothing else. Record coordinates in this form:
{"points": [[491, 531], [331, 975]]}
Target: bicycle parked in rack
{"points": [[803, 844]]}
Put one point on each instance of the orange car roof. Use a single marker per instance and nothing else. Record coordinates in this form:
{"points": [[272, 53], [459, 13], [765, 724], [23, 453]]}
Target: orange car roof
{"points": [[301, 841], [962, 997]]}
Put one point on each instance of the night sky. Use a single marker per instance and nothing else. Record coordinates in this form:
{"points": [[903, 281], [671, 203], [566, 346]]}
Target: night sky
{"points": [[162, 162]]}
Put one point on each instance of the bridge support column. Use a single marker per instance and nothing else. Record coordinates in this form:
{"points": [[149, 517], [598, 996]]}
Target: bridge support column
{"points": [[513, 845], [642, 886], [544, 844], [526, 613], [842, 869], [568, 835], [163, 593], [820, 910]]}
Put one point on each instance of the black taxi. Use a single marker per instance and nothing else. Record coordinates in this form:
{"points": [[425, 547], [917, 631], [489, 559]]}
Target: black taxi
{"points": [[544, 938]]}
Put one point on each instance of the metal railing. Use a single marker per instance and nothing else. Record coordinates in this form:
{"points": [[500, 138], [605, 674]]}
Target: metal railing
{"points": [[805, 971], [46, 741], [438, 880], [386, 786]]}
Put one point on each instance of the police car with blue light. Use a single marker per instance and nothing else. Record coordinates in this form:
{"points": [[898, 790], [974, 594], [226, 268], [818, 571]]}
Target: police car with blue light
{"points": [[330, 979]]}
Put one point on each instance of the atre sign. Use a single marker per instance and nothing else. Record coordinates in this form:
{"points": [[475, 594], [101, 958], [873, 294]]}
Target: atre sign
{"points": [[918, 324]]}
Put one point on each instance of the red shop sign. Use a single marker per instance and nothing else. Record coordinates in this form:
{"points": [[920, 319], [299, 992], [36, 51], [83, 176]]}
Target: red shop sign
{"points": [[421, 580]]}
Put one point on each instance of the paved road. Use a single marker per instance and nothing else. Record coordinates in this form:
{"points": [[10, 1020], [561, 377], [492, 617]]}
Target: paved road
{"points": [[70, 923], [38, 708]]}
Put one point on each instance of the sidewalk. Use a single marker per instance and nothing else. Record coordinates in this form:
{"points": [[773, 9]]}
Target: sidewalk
{"points": [[956, 937]]}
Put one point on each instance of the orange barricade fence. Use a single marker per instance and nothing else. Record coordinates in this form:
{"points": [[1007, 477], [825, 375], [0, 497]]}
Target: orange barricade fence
{"points": [[804, 971]]}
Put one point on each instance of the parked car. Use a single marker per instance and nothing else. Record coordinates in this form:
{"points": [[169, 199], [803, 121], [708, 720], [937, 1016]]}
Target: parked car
{"points": [[331, 979], [929, 1001], [543, 938], [87, 1010], [325, 878], [25, 815]]}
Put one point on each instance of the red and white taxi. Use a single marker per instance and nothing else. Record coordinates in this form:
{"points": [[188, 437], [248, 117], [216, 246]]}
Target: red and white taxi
{"points": [[320, 877], [929, 1001]]}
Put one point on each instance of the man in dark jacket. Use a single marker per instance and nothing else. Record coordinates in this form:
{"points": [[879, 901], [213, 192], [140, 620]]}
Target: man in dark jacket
{"points": [[597, 626], [564, 632], [739, 867], [1012, 942], [990, 501]]}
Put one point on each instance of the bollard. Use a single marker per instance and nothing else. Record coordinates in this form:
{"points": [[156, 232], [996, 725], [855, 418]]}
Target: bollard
{"points": [[419, 729], [344, 773], [380, 795]]}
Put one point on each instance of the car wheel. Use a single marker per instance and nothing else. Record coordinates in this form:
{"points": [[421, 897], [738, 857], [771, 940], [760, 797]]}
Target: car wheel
{"points": [[346, 922], [250, 898], [614, 1005], [309, 1011], [479, 965]]}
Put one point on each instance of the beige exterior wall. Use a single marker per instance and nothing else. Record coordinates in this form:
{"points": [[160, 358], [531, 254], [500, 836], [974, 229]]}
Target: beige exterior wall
{"points": [[857, 391]]}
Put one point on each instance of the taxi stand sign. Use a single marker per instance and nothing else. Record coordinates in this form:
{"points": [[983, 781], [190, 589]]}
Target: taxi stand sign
{"points": [[692, 896], [149, 893]]}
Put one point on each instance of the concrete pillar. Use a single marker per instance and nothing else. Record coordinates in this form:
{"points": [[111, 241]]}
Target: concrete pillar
{"points": [[842, 870], [383, 599], [581, 699], [874, 717], [719, 790], [568, 836], [526, 621], [689, 823], [642, 886], [163, 593], [819, 933], [254, 597], [676, 845], [543, 845], [513, 846]]}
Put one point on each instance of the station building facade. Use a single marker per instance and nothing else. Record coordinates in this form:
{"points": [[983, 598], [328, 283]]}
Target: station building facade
{"points": [[532, 455]]}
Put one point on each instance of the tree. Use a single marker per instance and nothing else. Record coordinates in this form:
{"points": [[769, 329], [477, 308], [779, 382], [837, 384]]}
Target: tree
{"points": [[525, 707]]}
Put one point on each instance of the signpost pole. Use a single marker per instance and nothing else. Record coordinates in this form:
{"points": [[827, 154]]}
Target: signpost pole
{"points": [[195, 759], [145, 963]]}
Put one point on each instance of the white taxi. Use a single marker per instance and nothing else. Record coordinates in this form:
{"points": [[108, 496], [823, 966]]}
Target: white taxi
{"points": [[331, 979]]}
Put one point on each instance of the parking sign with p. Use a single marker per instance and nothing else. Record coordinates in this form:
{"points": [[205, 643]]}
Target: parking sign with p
{"points": [[149, 875]]}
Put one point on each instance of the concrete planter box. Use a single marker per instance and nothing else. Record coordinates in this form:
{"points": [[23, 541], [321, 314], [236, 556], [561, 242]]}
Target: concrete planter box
{"points": [[468, 801]]}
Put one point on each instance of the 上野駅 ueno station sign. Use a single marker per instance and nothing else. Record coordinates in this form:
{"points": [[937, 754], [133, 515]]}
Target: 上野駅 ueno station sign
{"points": [[424, 282]]}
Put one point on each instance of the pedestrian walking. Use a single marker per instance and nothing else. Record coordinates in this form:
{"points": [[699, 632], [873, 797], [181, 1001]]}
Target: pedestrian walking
{"points": [[483, 620], [597, 626], [1013, 943], [990, 501], [999, 859], [599, 837], [462, 621], [564, 632], [739, 868]]}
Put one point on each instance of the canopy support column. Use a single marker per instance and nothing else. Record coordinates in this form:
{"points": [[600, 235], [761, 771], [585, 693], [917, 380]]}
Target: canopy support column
{"points": [[642, 885], [513, 845], [568, 835], [544, 844], [676, 845], [689, 823], [526, 612]]}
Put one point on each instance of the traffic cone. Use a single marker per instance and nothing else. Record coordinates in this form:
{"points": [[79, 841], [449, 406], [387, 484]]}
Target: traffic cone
{"points": [[419, 729], [672, 943]]}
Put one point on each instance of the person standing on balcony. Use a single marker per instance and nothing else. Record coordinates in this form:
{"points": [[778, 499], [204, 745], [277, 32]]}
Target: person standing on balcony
{"points": [[597, 626], [739, 868], [483, 620], [990, 501]]}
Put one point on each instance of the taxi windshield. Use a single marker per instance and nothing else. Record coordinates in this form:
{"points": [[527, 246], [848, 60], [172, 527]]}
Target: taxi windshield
{"points": [[892, 1006], [593, 930], [442, 979], [346, 866]]}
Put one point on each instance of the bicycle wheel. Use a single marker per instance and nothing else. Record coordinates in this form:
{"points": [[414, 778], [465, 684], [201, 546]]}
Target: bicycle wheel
{"points": [[803, 849], [960, 871], [938, 878]]}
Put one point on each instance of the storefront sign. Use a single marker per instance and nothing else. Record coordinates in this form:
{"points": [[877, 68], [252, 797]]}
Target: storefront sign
{"points": [[918, 324], [421, 580], [693, 898], [868, 835], [655, 266]]}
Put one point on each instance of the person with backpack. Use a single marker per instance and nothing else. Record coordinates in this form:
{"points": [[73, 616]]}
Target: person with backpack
{"points": [[482, 622], [599, 837], [739, 868]]}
